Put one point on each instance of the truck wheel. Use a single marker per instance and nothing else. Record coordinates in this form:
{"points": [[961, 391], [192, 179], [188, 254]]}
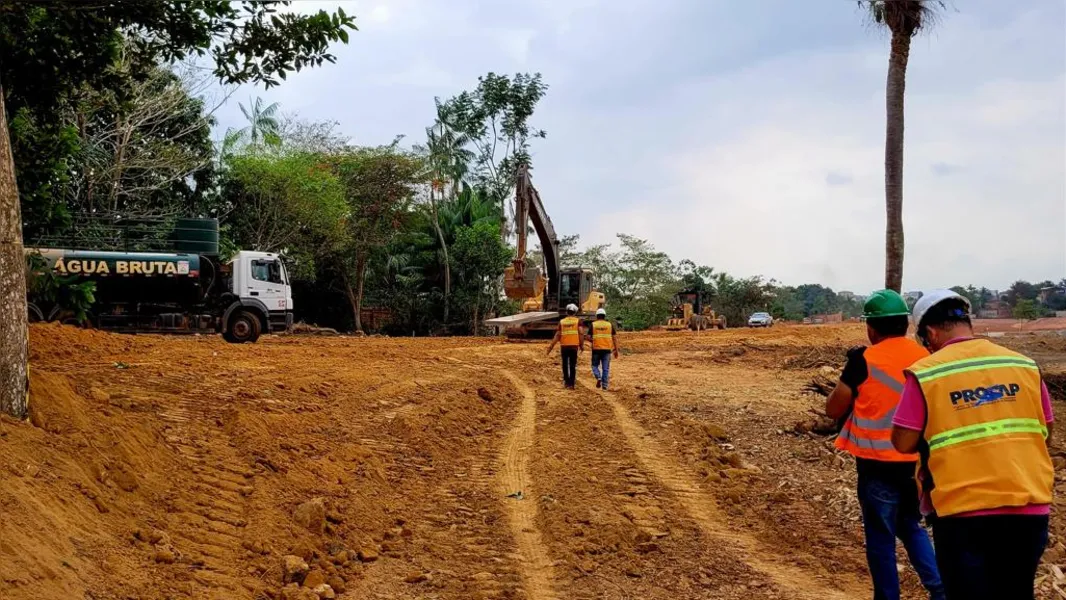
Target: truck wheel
{"points": [[243, 327]]}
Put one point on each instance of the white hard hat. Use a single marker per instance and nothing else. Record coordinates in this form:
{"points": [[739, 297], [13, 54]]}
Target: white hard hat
{"points": [[571, 308], [931, 299], [601, 313]]}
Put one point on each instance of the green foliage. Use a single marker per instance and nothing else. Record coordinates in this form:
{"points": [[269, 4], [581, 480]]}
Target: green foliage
{"points": [[289, 203], [1027, 309], [495, 119], [738, 298], [1021, 290], [60, 53], [263, 128], [69, 294]]}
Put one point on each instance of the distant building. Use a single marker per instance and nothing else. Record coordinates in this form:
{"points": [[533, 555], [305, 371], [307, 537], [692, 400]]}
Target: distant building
{"points": [[1047, 293], [849, 296], [995, 309]]}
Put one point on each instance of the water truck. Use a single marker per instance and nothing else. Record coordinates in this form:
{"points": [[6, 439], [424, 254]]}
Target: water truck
{"points": [[176, 282]]}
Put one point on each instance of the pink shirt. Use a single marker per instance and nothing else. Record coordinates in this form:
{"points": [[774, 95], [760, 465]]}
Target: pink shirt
{"points": [[911, 413]]}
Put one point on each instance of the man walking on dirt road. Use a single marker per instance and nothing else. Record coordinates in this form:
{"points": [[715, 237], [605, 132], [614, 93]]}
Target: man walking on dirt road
{"points": [[568, 336], [604, 345], [980, 417], [869, 389]]}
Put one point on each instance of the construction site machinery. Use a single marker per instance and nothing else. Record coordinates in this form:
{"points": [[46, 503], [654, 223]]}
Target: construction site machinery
{"points": [[545, 294], [689, 313], [170, 282]]}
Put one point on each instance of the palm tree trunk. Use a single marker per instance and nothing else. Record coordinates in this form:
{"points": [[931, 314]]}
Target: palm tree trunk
{"points": [[444, 251], [13, 332], [360, 286], [895, 88]]}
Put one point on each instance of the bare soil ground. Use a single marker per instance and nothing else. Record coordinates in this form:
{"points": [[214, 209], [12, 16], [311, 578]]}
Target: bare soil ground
{"points": [[187, 468]]}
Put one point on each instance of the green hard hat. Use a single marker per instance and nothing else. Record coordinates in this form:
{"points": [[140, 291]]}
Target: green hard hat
{"points": [[885, 303]]}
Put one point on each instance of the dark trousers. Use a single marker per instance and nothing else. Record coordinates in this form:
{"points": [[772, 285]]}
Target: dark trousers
{"points": [[889, 500], [569, 354], [990, 558]]}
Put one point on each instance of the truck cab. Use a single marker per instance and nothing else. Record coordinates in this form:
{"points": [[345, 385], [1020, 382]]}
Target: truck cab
{"points": [[260, 282]]}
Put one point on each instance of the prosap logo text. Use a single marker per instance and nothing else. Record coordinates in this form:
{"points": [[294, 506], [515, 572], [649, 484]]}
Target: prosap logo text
{"points": [[984, 395]]}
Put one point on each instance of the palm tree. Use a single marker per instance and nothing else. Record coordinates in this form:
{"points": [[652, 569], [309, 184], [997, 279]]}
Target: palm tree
{"points": [[263, 125], [448, 159], [904, 19]]}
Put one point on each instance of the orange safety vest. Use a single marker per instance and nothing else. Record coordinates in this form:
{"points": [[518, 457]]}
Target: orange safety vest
{"points": [[868, 431], [602, 333], [983, 445], [568, 332]]}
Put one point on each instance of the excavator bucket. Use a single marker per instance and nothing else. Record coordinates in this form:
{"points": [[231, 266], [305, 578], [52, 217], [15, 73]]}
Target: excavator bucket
{"points": [[521, 282]]}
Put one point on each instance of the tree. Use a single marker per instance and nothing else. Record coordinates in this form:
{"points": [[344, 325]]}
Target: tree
{"points": [[904, 19], [448, 160], [290, 203], [51, 49], [263, 128], [495, 118], [379, 186], [1027, 310], [148, 156], [480, 258], [1021, 290], [738, 298]]}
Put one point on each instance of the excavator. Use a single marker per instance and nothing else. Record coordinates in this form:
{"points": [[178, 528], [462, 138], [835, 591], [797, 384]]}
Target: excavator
{"points": [[546, 292]]}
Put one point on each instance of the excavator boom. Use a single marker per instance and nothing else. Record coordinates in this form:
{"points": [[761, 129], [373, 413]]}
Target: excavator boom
{"points": [[521, 282]]}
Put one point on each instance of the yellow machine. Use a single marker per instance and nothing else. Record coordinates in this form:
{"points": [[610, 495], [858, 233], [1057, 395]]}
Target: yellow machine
{"points": [[544, 295], [688, 314]]}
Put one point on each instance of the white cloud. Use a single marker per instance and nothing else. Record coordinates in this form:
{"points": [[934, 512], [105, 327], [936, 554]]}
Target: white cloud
{"points": [[742, 134]]}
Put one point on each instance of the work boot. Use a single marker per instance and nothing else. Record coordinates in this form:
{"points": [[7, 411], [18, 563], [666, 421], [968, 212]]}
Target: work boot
{"points": [[599, 384]]}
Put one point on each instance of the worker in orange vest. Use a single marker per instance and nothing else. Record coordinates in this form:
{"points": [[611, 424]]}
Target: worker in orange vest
{"points": [[570, 340], [980, 417], [869, 389], [604, 340]]}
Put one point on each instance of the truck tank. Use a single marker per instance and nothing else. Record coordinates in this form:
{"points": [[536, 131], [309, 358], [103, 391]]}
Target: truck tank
{"points": [[137, 277]]}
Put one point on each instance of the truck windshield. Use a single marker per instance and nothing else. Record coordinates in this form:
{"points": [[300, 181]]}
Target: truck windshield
{"points": [[267, 270]]}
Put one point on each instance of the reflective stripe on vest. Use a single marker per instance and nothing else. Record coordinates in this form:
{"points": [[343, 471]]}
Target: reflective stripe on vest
{"points": [[984, 440], [868, 431], [974, 364], [984, 430], [568, 332], [601, 335]]}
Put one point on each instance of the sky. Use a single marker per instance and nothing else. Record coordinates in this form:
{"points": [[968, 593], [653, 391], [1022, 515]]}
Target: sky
{"points": [[745, 135]]}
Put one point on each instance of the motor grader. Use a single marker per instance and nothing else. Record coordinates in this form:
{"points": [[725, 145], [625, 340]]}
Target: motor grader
{"points": [[689, 313]]}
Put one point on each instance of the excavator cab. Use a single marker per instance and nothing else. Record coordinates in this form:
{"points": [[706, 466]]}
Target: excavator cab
{"points": [[575, 287]]}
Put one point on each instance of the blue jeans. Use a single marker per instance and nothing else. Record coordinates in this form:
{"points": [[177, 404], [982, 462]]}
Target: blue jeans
{"points": [[890, 510], [601, 357]]}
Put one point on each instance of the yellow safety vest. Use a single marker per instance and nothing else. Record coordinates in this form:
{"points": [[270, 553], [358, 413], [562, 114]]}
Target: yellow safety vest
{"points": [[984, 437], [568, 332], [868, 431], [602, 332]]}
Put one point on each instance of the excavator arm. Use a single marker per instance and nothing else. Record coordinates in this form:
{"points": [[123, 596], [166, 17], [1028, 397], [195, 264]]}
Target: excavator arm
{"points": [[521, 282]]}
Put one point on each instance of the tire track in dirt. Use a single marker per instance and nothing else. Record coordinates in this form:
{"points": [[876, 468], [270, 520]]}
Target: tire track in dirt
{"points": [[703, 509], [514, 477], [207, 515]]}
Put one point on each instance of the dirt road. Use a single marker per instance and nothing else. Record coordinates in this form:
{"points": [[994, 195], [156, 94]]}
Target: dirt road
{"points": [[431, 468]]}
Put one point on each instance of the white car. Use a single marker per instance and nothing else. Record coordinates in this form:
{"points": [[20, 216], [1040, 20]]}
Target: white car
{"points": [[760, 319]]}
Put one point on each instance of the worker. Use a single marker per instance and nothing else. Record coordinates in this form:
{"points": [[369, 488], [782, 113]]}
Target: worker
{"points": [[604, 344], [568, 336], [980, 417], [869, 389]]}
